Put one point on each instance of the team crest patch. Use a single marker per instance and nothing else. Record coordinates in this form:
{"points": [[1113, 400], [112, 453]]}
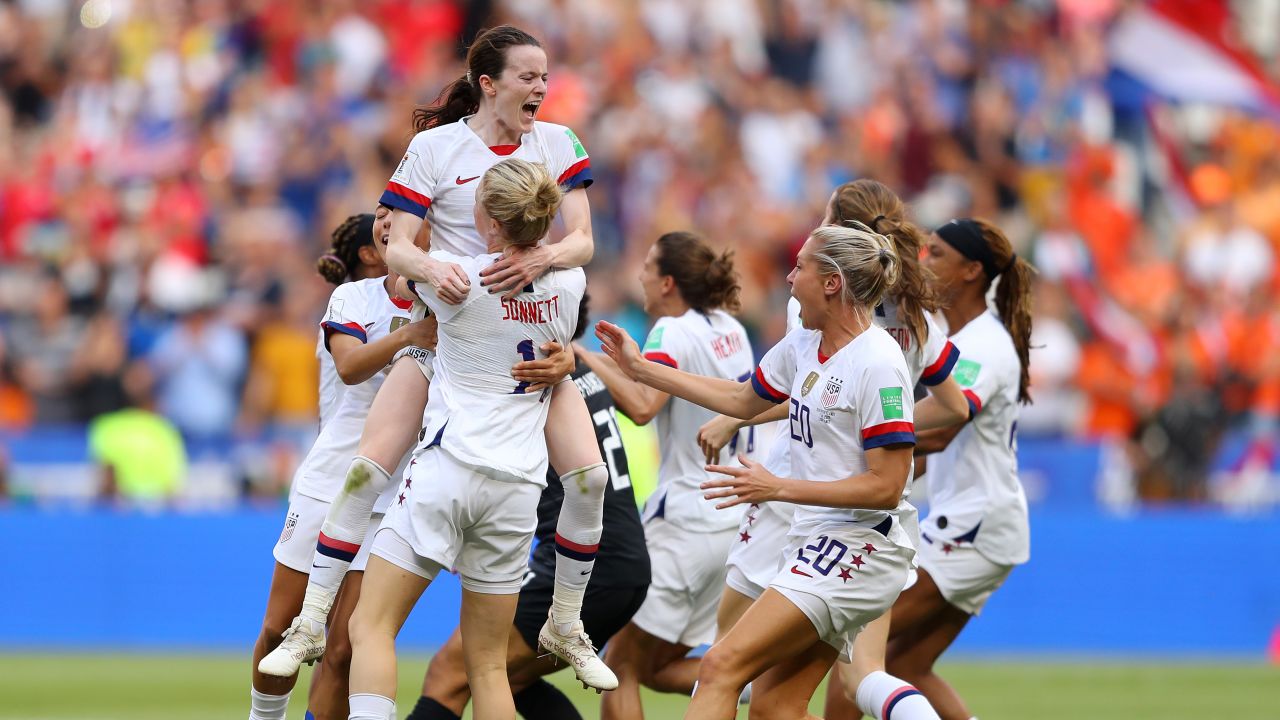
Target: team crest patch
{"points": [[831, 393], [290, 523], [398, 322], [809, 382], [891, 402], [966, 372]]}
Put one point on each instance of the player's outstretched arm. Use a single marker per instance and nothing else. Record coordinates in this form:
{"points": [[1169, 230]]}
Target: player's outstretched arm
{"points": [[727, 397], [637, 401], [879, 488]]}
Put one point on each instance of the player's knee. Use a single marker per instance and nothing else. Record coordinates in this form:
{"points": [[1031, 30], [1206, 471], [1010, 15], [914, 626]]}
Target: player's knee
{"points": [[720, 666], [446, 680], [337, 654], [590, 481]]}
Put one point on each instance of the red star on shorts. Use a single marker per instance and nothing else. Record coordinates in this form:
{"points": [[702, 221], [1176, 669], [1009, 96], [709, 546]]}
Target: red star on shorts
{"points": [[868, 548], [408, 483], [413, 462], [857, 561], [946, 548], [751, 519], [744, 537], [755, 506], [401, 498], [845, 575]]}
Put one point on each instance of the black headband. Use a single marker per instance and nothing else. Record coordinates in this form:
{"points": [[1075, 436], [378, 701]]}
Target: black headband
{"points": [[364, 230], [965, 236]]}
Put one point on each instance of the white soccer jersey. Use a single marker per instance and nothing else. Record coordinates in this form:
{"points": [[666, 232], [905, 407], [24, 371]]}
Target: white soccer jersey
{"points": [[477, 413], [437, 176], [363, 310], [841, 406], [778, 461], [712, 344], [974, 492], [928, 364]]}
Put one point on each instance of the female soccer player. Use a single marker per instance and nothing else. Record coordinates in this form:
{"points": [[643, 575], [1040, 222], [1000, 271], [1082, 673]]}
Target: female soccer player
{"points": [[487, 115], [470, 501], [618, 582], [364, 327], [851, 412], [689, 290], [976, 530], [905, 315]]}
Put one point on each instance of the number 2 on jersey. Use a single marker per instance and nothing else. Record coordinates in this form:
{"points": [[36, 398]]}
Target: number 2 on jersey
{"points": [[612, 446], [800, 428]]}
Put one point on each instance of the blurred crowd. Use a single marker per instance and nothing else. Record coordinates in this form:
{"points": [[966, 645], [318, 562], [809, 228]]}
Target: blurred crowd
{"points": [[170, 170]]}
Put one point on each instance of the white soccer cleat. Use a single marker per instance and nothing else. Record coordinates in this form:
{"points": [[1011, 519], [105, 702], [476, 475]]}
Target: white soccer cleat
{"points": [[576, 650], [303, 643]]}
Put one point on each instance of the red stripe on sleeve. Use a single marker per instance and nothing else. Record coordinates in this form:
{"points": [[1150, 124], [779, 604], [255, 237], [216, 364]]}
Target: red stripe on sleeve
{"points": [[974, 400], [886, 428], [942, 360], [338, 544], [574, 169], [404, 192], [661, 357]]}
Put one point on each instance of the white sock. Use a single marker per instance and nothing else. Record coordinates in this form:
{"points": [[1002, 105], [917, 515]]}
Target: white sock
{"points": [[578, 532], [341, 536], [267, 707], [367, 706], [885, 697]]}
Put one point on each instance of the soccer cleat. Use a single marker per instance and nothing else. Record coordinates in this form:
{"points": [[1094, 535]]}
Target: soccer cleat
{"points": [[302, 643], [576, 650]]}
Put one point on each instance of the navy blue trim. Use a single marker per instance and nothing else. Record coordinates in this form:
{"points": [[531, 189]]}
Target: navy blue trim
{"points": [[335, 553], [662, 508], [893, 438], [439, 436], [885, 526], [969, 536], [943, 372], [331, 327], [925, 536], [574, 554], [580, 179], [400, 202], [888, 710], [764, 392]]}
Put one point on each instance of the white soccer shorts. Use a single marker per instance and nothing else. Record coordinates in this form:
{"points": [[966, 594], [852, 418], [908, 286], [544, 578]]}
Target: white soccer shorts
{"points": [[842, 576], [458, 517], [296, 547], [964, 576], [758, 550], [688, 580]]}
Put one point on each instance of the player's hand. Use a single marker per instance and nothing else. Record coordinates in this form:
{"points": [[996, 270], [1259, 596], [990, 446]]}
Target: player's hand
{"points": [[513, 272], [545, 372], [715, 434], [448, 280], [750, 483], [618, 345], [422, 333]]}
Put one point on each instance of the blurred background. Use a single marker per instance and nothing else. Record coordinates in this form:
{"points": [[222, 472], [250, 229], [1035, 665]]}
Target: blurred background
{"points": [[170, 170]]}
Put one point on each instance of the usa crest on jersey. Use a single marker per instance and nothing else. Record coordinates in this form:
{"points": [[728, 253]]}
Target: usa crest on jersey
{"points": [[831, 393]]}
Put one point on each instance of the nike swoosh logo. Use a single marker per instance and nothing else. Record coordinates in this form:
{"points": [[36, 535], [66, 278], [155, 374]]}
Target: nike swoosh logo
{"points": [[321, 567], [585, 572], [460, 181], [795, 570]]}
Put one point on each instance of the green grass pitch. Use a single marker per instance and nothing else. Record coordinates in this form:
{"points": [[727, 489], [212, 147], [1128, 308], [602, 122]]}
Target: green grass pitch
{"points": [[209, 687]]}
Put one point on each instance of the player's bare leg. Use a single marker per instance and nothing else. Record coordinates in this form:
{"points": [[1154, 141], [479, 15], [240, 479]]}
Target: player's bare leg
{"points": [[915, 647], [770, 633], [270, 694], [868, 657], [327, 699], [733, 605], [388, 594], [578, 530], [636, 656], [486, 623], [390, 430], [445, 684], [783, 692]]}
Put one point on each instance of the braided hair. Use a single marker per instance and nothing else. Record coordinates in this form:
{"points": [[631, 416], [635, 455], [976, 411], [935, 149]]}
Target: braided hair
{"points": [[339, 264]]}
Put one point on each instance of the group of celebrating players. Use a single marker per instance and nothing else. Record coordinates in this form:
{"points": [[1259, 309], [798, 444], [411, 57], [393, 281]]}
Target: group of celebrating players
{"points": [[445, 368]]}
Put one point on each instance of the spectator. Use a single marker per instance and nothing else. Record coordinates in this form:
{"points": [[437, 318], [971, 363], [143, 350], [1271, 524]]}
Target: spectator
{"points": [[139, 453]]}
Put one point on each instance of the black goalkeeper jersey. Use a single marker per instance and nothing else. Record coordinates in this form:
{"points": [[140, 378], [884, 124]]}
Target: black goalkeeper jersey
{"points": [[623, 559]]}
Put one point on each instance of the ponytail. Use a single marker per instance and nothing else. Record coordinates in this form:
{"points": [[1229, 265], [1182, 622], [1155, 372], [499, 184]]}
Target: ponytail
{"points": [[1013, 295], [458, 100], [706, 281], [1013, 303], [873, 204], [339, 263]]}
